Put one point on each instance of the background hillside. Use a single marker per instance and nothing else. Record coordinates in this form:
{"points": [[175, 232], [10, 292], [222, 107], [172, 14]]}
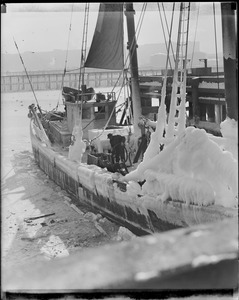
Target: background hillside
{"points": [[150, 56]]}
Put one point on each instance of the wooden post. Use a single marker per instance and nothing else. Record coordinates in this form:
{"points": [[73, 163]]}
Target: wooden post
{"points": [[10, 83], [224, 112], [49, 79], [218, 113], [202, 111], [111, 79], [210, 111], [100, 79], [190, 110], [229, 38], [195, 84]]}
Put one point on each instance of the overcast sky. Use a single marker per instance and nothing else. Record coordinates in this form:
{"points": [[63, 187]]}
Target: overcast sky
{"points": [[45, 27]]}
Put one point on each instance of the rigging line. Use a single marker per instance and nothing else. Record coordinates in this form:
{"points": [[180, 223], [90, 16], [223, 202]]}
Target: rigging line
{"points": [[215, 30], [83, 46], [195, 35], [82, 68], [67, 50], [163, 90], [164, 34], [140, 22], [68, 42], [187, 28], [134, 43], [103, 107], [170, 38], [171, 26], [139, 25], [122, 71], [108, 118], [110, 114], [131, 46], [27, 76]]}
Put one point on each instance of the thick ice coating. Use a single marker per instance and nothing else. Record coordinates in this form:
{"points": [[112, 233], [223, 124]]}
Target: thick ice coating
{"points": [[193, 168]]}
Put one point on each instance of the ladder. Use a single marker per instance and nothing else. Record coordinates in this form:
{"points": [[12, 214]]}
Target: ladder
{"points": [[84, 44], [177, 114]]}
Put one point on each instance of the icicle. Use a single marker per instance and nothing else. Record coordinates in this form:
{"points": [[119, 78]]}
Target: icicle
{"points": [[77, 147], [157, 136], [182, 111]]}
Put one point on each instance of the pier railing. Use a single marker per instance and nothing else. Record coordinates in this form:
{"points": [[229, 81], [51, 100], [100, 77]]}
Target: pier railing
{"points": [[52, 80], [206, 107]]}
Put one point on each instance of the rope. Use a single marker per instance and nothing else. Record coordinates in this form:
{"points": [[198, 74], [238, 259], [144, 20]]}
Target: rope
{"points": [[83, 46], [138, 28], [27, 76], [195, 35], [122, 72], [132, 45], [67, 50], [170, 40], [169, 32], [163, 91]]}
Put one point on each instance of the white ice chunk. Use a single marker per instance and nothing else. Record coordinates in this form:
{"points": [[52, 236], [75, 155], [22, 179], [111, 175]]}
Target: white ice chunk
{"points": [[77, 147], [193, 169]]}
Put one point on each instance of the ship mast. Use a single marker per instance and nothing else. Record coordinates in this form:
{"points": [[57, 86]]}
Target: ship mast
{"points": [[132, 47], [82, 85]]}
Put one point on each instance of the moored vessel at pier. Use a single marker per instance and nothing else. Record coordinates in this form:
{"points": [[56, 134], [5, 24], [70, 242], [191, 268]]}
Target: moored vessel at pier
{"points": [[165, 173]]}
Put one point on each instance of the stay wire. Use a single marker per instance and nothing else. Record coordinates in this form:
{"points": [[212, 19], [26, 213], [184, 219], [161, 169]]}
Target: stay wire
{"points": [[163, 91], [132, 45], [170, 31], [195, 35], [67, 51], [138, 27], [27, 76]]}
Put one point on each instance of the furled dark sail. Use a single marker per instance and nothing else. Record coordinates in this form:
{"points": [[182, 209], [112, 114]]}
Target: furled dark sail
{"points": [[106, 50]]}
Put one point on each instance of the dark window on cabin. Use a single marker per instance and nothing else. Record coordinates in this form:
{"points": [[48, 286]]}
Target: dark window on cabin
{"points": [[86, 113], [99, 112], [99, 109], [146, 102]]}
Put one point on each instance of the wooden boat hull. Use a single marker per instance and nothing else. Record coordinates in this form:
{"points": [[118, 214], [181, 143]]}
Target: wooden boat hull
{"points": [[94, 186]]}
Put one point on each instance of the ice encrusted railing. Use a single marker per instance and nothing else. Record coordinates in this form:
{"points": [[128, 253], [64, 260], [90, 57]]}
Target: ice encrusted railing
{"points": [[194, 167]]}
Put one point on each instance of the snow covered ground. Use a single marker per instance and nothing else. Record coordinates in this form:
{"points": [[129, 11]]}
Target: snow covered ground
{"points": [[27, 192]]}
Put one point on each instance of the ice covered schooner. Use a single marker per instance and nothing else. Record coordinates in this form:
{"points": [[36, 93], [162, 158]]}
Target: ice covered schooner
{"points": [[178, 176]]}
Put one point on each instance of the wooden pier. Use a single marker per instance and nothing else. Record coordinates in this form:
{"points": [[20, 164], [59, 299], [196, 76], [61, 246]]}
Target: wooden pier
{"points": [[205, 90], [206, 104], [53, 80]]}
